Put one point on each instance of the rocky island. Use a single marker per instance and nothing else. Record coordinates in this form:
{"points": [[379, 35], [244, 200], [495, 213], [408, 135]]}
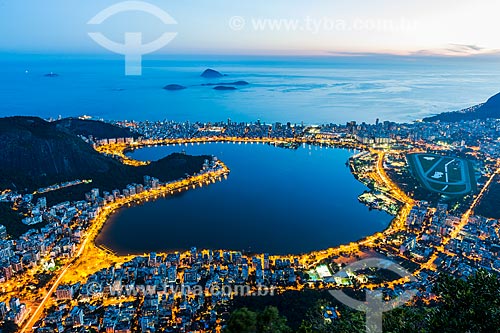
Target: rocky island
{"points": [[211, 74], [224, 88], [236, 83], [174, 87]]}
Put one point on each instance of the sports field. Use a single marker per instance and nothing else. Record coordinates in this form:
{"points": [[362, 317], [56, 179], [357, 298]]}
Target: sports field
{"points": [[443, 174]]}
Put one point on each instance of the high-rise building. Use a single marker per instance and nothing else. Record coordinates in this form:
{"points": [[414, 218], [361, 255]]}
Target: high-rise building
{"points": [[3, 310], [3, 232], [194, 253], [14, 304], [77, 316], [266, 260], [152, 259], [42, 203], [95, 193]]}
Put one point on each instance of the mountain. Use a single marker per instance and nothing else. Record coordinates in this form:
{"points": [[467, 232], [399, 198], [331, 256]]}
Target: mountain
{"points": [[33, 150], [35, 153], [490, 109], [97, 129]]}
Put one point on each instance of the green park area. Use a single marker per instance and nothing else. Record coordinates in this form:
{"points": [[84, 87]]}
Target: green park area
{"points": [[446, 175]]}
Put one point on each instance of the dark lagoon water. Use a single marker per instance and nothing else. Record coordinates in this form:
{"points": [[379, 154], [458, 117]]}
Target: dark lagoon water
{"points": [[275, 200]]}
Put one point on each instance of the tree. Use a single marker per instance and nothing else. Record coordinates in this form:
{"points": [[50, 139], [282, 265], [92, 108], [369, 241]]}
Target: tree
{"points": [[350, 321], [8, 327], [305, 327], [407, 319], [242, 321], [270, 321], [267, 321], [471, 305]]}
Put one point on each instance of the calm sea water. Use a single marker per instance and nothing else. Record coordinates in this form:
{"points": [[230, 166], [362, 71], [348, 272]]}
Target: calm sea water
{"points": [[275, 200], [313, 90]]}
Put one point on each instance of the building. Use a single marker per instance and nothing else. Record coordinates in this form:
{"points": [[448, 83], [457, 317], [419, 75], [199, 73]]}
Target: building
{"points": [[116, 194], [3, 310], [77, 316], [3, 232], [14, 304], [42, 203], [408, 245], [64, 292], [95, 193]]}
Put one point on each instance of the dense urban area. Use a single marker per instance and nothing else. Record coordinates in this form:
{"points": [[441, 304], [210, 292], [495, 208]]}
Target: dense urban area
{"points": [[439, 180]]}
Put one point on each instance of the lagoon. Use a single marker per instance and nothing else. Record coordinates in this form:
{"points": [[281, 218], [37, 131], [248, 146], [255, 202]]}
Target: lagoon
{"points": [[275, 200]]}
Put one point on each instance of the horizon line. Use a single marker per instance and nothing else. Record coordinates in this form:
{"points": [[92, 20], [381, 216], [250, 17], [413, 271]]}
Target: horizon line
{"points": [[276, 54]]}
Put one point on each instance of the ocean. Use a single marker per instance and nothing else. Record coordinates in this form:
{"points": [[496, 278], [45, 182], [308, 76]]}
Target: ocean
{"points": [[295, 89]]}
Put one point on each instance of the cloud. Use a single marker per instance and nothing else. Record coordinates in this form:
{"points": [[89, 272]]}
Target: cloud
{"points": [[457, 50], [449, 50], [365, 54], [464, 48]]}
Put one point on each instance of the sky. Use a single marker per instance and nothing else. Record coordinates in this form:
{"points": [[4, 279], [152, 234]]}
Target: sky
{"points": [[285, 27]]}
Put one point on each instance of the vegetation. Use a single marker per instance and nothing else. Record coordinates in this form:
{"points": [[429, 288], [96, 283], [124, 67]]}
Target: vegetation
{"points": [[11, 219], [469, 305], [36, 153], [403, 176], [172, 167], [294, 305], [455, 186], [8, 327], [267, 321], [96, 129]]}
